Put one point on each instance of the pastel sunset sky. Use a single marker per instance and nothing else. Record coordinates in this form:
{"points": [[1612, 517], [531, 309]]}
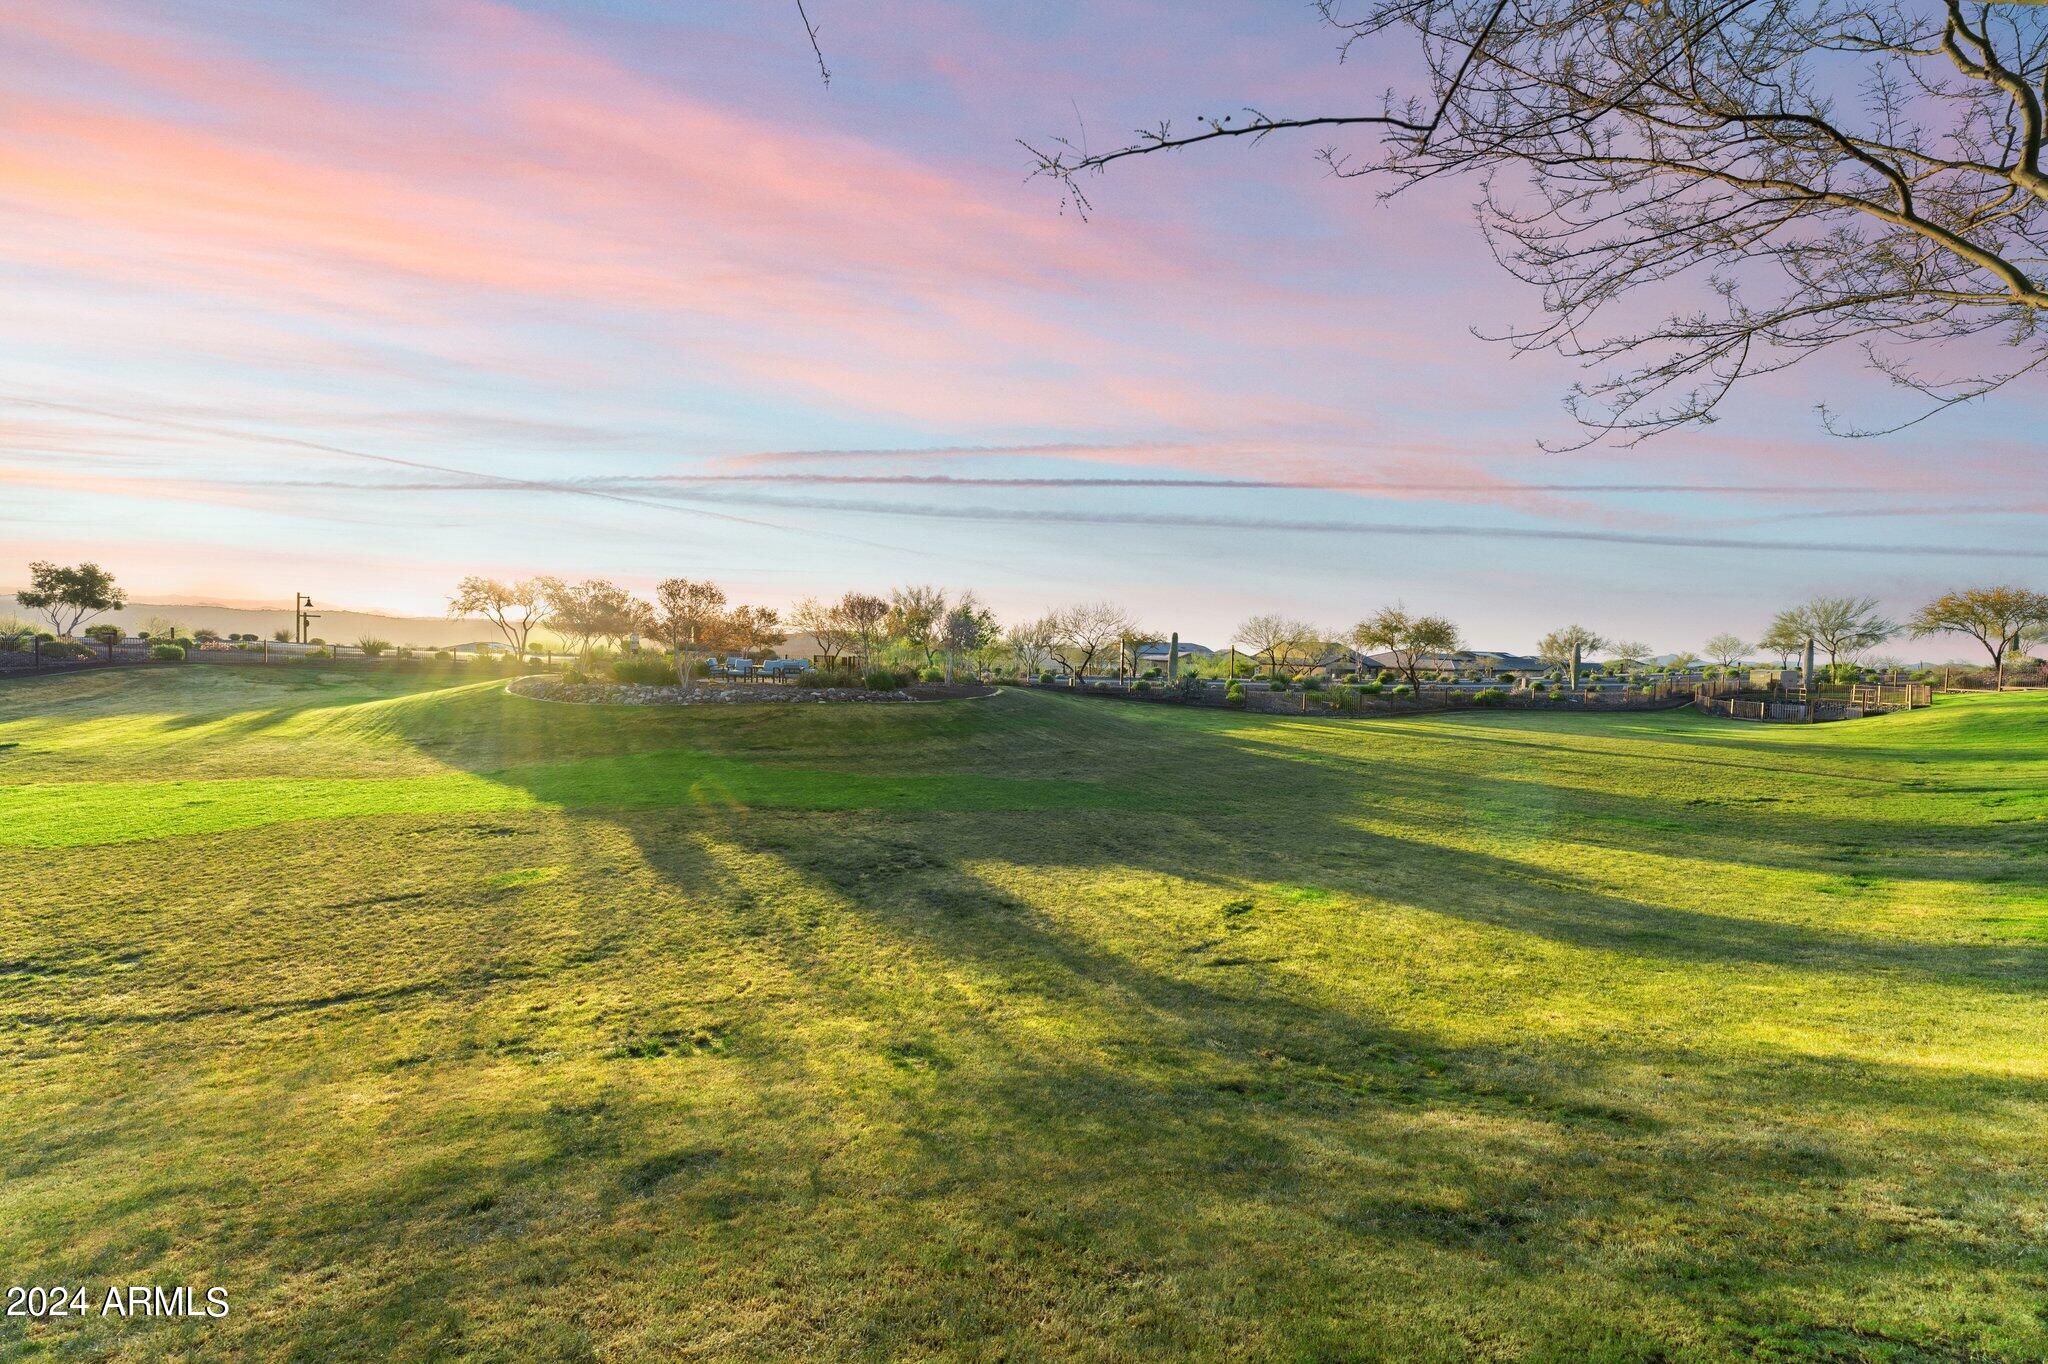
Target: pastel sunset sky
{"points": [[354, 299]]}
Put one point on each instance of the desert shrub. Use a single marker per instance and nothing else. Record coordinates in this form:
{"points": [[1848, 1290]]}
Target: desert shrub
{"points": [[1233, 695], [104, 632], [1045, 678], [1311, 684], [575, 675], [206, 635], [1100, 686], [372, 646], [1141, 685], [830, 677], [1373, 688], [167, 653], [1400, 689], [280, 636], [650, 670], [932, 676], [444, 655], [1489, 696], [322, 652], [1388, 677], [880, 679]]}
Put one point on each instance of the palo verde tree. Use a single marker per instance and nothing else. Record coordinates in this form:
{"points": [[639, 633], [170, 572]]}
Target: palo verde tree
{"points": [[1999, 618], [1725, 649], [70, 596], [1762, 181], [1567, 648], [515, 608], [1841, 627], [1629, 653], [1784, 638], [1406, 639]]}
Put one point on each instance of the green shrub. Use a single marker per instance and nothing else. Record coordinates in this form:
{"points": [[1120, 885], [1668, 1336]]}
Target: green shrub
{"points": [[319, 653], [1400, 689], [1311, 684], [1100, 686], [932, 676], [1045, 678], [1141, 685], [880, 679], [444, 655], [372, 646], [1373, 688], [1233, 695], [167, 653], [830, 677], [1489, 696], [650, 670], [104, 632], [575, 675]]}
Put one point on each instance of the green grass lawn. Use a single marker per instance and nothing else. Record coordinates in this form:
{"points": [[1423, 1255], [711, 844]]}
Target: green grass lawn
{"points": [[441, 1023]]}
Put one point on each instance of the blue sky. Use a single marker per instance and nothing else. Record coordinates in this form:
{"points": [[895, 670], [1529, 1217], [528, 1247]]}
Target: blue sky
{"points": [[356, 300]]}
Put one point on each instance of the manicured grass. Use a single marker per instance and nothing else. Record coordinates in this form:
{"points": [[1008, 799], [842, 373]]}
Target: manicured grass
{"points": [[438, 1023]]}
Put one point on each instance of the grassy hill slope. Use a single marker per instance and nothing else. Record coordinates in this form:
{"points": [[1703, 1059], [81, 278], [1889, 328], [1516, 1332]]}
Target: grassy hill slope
{"points": [[438, 1023]]}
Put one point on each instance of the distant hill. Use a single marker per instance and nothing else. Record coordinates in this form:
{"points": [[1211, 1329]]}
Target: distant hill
{"points": [[415, 632], [344, 627]]}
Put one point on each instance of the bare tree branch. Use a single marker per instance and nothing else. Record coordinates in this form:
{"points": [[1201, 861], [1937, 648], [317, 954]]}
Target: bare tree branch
{"points": [[1777, 178], [811, 32]]}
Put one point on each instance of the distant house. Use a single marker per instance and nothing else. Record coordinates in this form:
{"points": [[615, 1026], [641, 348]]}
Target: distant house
{"points": [[481, 646], [1471, 663], [1154, 654]]}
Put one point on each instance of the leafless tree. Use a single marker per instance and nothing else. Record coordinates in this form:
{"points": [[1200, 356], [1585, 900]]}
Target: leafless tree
{"points": [[1033, 641], [516, 608], [1085, 631], [593, 610], [1775, 177], [865, 616], [825, 622]]}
